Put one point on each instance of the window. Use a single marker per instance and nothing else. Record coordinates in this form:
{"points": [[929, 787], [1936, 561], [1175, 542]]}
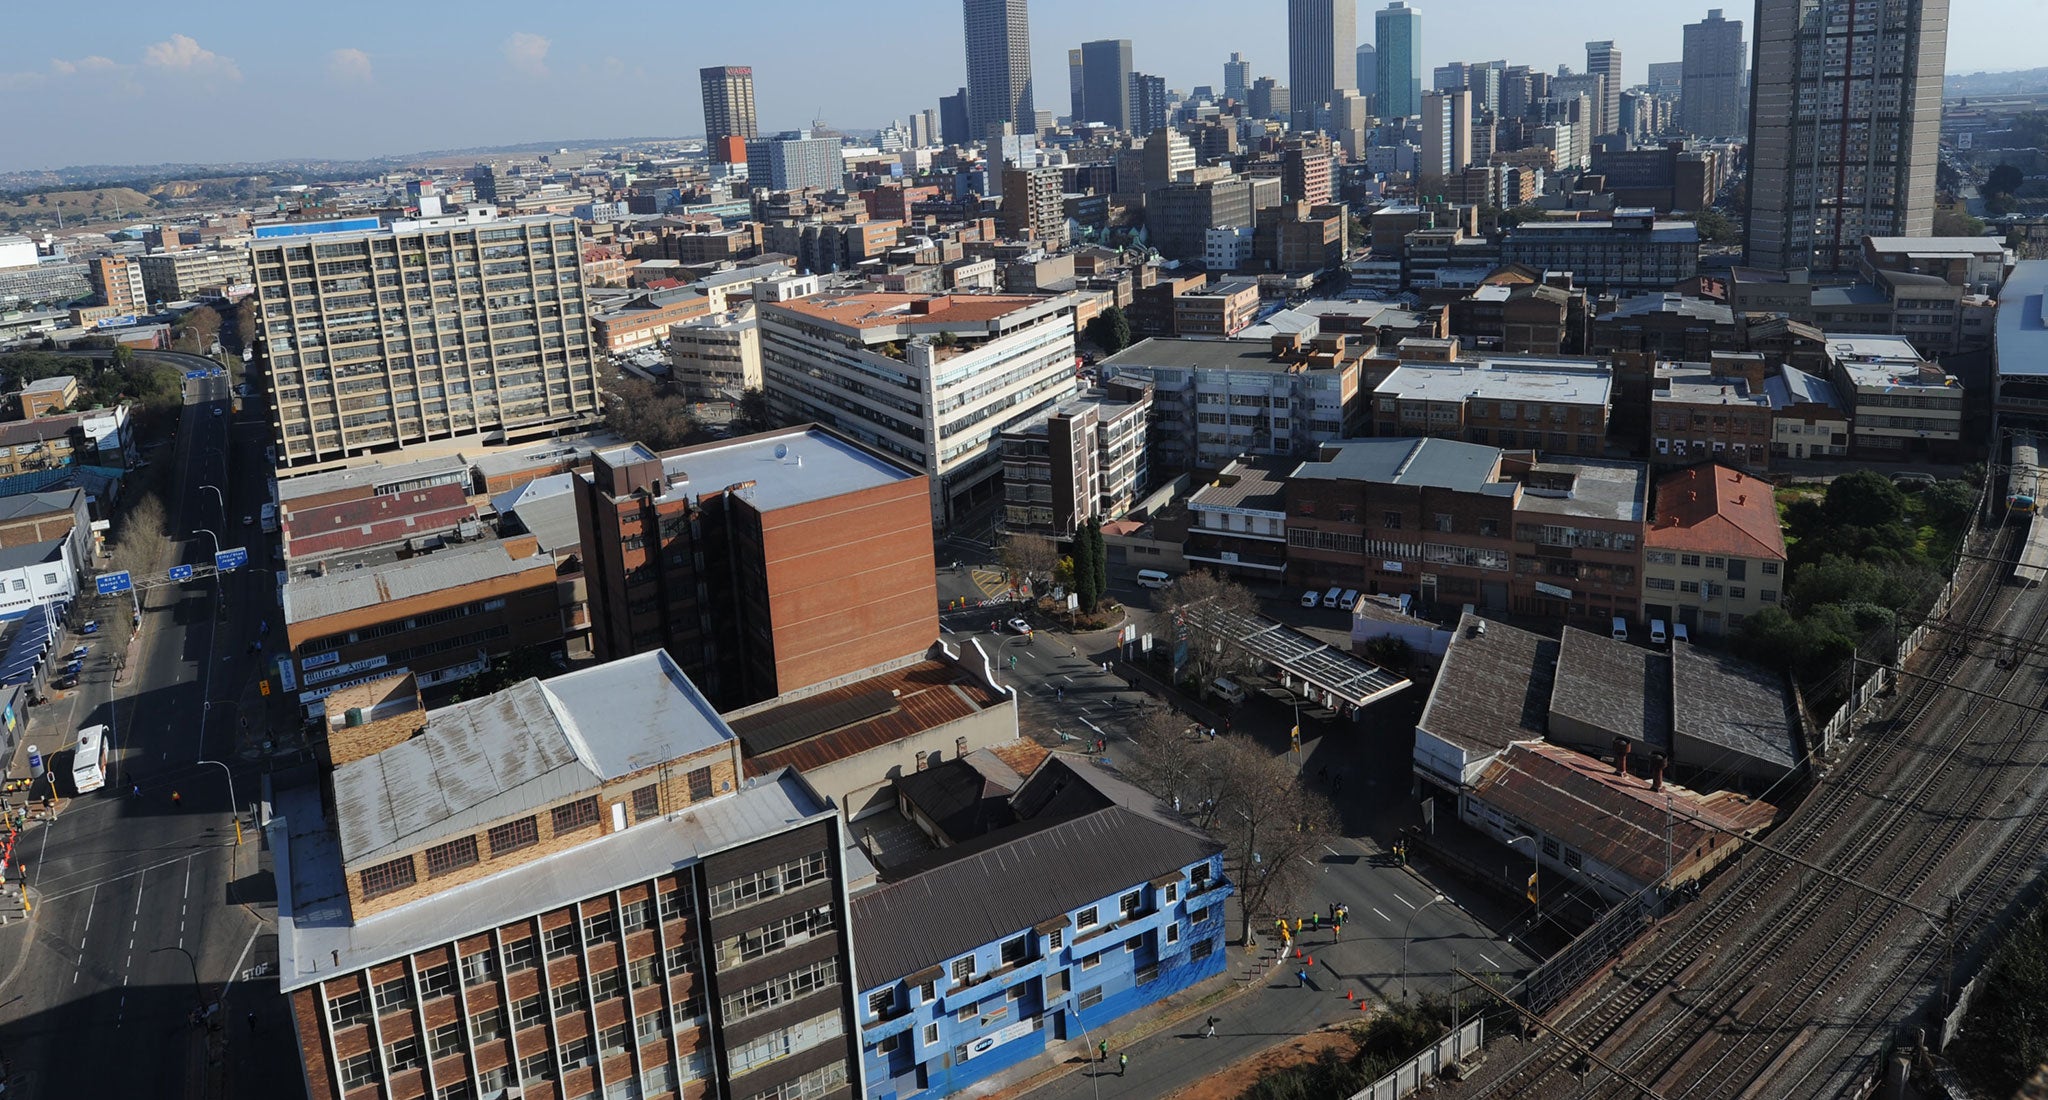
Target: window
{"points": [[1689, 559], [1572, 859], [700, 784], [349, 1008], [529, 1012], [880, 1002], [648, 1028], [965, 1013], [682, 959], [437, 981], [1089, 998], [560, 942], [1092, 961], [781, 990], [578, 1052], [1088, 918], [513, 835], [931, 1035], [536, 1067], [1768, 595], [479, 968], [1737, 592], [452, 856], [1128, 905], [1146, 974], [1770, 568], [647, 802], [658, 1080], [636, 915], [890, 1045], [615, 1040], [495, 1079], [762, 885], [1173, 933], [393, 995], [606, 984], [963, 970], [674, 903], [1489, 528], [1202, 950], [519, 954], [1390, 520], [1015, 951], [1172, 892], [927, 993], [640, 973], [1714, 562], [359, 1070], [784, 1042], [457, 1091], [487, 1024], [599, 927], [403, 1054], [580, 814], [386, 877], [1056, 940], [1444, 523], [443, 1041]]}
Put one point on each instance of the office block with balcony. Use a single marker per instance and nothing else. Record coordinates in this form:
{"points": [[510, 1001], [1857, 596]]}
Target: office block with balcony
{"points": [[1085, 458], [1237, 522]]}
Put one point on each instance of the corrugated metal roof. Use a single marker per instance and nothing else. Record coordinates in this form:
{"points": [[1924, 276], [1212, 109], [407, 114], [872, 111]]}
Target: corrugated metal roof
{"points": [[928, 695], [449, 467], [309, 598], [1741, 707], [1614, 686], [1493, 687], [22, 505], [534, 744], [1438, 463]]}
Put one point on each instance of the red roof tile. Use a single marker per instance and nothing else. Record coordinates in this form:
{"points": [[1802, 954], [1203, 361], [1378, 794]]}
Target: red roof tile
{"points": [[374, 521], [1712, 509]]}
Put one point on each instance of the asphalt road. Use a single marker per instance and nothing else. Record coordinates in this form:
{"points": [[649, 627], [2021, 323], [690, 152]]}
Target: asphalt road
{"points": [[139, 900]]}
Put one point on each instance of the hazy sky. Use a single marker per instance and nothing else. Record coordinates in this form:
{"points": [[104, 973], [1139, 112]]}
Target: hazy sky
{"points": [[128, 82]]}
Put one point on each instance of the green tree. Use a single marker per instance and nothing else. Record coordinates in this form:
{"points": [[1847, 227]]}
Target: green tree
{"points": [[2006, 1037], [1948, 504], [1715, 227], [1098, 563], [1110, 330], [1948, 223], [1863, 498], [752, 413], [2006, 179]]}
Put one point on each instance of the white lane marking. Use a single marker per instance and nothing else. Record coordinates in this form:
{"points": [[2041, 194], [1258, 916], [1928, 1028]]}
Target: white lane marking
{"points": [[236, 971], [1404, 901], [90, 903], [1383, 916]]}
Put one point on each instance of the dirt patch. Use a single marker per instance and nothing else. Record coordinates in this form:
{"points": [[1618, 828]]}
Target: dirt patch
{"points": [[1232, 1082]]}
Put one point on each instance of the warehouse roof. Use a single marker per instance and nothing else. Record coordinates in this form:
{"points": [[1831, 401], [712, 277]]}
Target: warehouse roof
{"points": [[1437, 463], [307, 597]]}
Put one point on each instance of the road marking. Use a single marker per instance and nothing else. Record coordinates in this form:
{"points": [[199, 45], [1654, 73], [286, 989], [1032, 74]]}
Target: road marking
{"points": [[1404, 901], [1489, 962], [1376, 909], [239, 960], [90, 903]]}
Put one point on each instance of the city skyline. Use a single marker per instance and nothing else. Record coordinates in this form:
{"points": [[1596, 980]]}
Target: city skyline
{"points": [[516, 82]]}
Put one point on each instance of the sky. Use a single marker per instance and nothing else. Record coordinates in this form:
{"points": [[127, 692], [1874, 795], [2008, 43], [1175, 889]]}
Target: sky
{"points": [[128, 82]]}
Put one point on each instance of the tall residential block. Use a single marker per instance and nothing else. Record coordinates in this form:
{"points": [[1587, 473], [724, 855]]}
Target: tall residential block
{"points": [[1397, 39], [954, 127], [375, 338], [567, 888], [1031, 208], [1845, 115], [118, 282], [1148, 103], [794, 160], [728, 105], [1710, 86], [1106, 83], [998, 38], [762, 565], [1446, 133], [1322, 40], [1603, 59], [1237, 78]]}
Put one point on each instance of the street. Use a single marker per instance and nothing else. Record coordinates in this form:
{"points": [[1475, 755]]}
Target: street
{"points": [[145, 906]]}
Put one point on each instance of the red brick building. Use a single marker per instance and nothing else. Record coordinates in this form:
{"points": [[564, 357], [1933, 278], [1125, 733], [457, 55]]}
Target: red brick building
{"points": [[762, 564]]}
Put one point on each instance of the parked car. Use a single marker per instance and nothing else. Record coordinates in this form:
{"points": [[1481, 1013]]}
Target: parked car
{"points": [[1657, 634], [1620, 631], [1312, 597], [1679, 635], [80, 652], [92, 626]]}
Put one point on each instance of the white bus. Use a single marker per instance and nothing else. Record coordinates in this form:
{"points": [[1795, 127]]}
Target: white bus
{"points": [[89, 762]]}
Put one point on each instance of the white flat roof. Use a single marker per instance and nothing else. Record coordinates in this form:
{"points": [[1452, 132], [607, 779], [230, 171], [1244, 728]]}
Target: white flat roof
{"points": [[1500, 380]]}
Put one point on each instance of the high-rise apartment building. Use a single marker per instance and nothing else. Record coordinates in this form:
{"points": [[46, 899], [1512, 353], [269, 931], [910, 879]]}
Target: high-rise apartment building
{"points": [[1237, 78], [1084, 459], [118, 282], [930, 379], [1397, 41], [1710, 90], [433, 328], [1446, 134], [728, 104], [1148, 103], [566, 888], [794, 160], [1845, 115], [762, 565], [1322, 40], [1106, 82], [190, 272], [1368, 69], [1603, 59], [1031, 207], [998, 67]]}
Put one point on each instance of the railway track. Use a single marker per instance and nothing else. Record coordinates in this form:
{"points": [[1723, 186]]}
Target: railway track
{"points": [[1696, 1013]]}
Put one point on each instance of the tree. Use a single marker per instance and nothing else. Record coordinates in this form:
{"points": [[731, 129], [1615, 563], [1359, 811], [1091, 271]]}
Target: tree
{"points": [[635, 409], [1948, 223], [752, 413], [139, 536], [1110, 330], [1863, 498], [1948, 504], [1029, 559], [1271, 826], [1388, 651], [1087, 586], [1715, 227], [1186, 601], [1098, 556], [2006, 179], [2006, 1037]]}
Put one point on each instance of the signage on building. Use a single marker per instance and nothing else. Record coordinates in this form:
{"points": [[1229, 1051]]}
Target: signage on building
{"points": [[1553, 590], [321, 660], [1391, 566], [350, 668]]}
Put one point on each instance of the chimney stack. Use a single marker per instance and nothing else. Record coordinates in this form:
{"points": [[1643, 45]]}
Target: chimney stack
{"points": [[1621, 756], [1657, 775]]}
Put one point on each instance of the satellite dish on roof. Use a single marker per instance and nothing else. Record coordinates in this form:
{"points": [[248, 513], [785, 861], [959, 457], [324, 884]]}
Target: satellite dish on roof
{"points": [[782, 450]]}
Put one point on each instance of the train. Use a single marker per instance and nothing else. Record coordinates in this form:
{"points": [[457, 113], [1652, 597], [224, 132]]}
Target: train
{"points": [[2023, 489]]}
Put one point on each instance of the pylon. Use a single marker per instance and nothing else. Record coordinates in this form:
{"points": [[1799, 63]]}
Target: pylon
{"points": [[1311, 960], [1348, 996], [1297, 952], [1363, 1007]]}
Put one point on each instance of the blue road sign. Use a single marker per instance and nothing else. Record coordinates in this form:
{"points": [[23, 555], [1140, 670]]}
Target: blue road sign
{"points": [[181, 572], [192, 374], [111, 584], [234, 557]]}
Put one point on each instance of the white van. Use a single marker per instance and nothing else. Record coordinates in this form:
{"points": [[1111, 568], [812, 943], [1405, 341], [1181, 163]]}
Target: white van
{"points": [[1226, 690], [1679, 635], [1153, 578], [1657, 635], [1311, 598], [1349, 599], [1620, 632], [1331, 597]]}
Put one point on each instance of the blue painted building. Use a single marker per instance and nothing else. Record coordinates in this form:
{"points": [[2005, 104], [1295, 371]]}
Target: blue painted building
{"points": [[1095, 902]]}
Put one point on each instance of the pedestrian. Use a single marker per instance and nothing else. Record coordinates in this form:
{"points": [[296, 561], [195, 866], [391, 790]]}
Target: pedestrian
{"points": [[1315, 922], [1073, 651], [1212, 733], [1336, 932], [1102, 1051], [135, 790], [1123, 1062], [175, 800], [1301, 977], [1210, 1033], [1060, 694], [1297, 926], [252, 1021]]}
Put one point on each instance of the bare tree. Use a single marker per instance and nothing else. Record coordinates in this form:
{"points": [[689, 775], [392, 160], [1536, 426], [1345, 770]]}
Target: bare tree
{"points": [[1029, 559], [1165, 758], [1186, 601], [139, 537], [1271, 827]]}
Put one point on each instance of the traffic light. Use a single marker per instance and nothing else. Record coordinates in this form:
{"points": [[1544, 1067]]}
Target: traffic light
{"points": [[1295, 736], [1532, 888], [264, 687]]}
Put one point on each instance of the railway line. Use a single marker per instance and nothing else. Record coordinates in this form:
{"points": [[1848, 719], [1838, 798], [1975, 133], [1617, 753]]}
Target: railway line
{"points": [[1782, 980]]}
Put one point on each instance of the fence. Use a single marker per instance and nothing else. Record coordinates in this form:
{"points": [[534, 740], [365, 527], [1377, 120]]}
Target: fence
{"points": [[1563, 973], [1451, 1049]]}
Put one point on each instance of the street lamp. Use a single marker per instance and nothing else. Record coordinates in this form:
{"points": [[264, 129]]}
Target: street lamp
{"points": [[234, 807], [1406, 934], [1535, 872], [198, 994], [220, 499]]}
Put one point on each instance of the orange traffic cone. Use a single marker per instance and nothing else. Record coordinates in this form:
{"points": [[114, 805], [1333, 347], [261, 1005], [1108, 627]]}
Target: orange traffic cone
{"points": [[1348, 996], [1311, 960], [1297, 952]]}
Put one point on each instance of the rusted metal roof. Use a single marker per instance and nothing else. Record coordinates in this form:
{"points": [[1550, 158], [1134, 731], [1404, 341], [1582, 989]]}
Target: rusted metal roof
{"points": [[927, 695]]}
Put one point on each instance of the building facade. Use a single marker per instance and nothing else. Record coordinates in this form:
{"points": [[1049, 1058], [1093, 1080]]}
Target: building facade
{"points": [[1634, 250], [1710, 99], [794, 160], [188, 273], [728, 104], [1214, 400], [1031, 207], [1085, 459], [1844, 129], [1106, 83], [1899, 404], [1714, 555], [1322, 37], [716, 358], [1557, 406], [998, 40], [1397, 43], [932, 380], [431, 329]]}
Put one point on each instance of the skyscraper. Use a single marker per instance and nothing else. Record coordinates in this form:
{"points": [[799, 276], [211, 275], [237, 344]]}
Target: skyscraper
{"points": [[954, 128], [1368, 69], [1604, 59], [1237, 78], [1710, 88], [998, 66], [1397, 39], [1446, 134], [1077, 109], [1106, 82], [728, 104], [1147, 99], [794, 160], [1845, 113], [1322, 36]]}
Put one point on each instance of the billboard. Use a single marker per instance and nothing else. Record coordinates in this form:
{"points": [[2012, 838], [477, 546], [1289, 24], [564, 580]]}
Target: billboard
{"points": [[307, 229]]}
